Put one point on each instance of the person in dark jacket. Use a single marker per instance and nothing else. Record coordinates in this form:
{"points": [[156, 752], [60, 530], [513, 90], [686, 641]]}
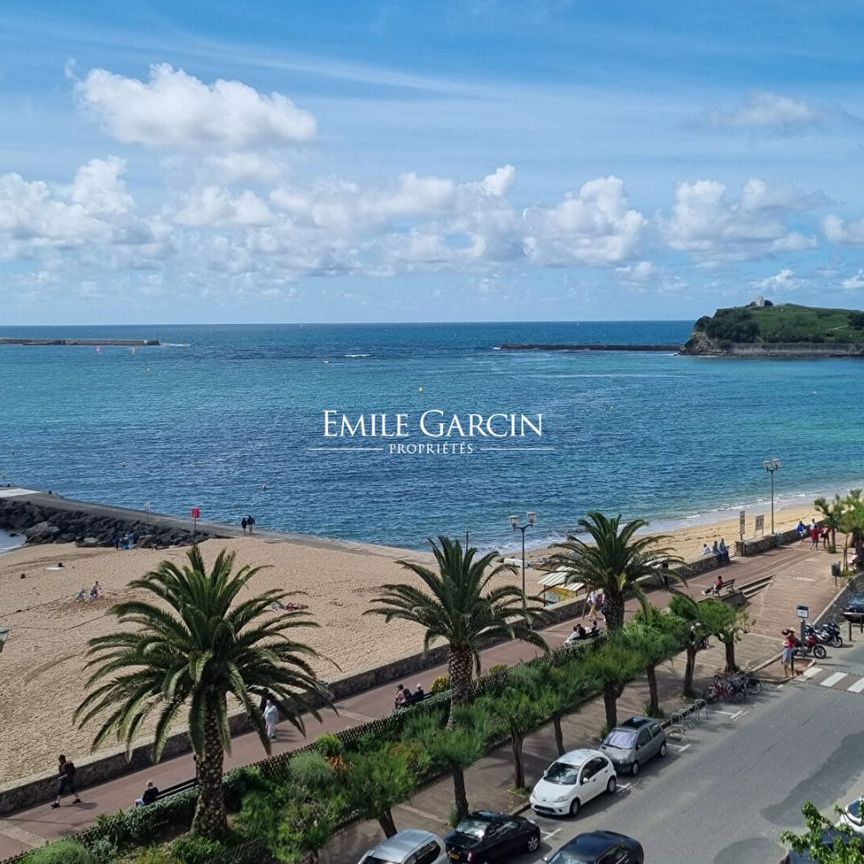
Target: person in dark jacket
{"points": [[65, 780], [151, 793]]}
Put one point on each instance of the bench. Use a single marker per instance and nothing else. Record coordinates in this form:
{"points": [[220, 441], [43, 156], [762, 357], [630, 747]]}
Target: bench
{"points": [[177, 787]]}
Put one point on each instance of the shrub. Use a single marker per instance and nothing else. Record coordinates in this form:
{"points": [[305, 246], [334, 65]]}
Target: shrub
{"points": [[192, 849], [61, 852], [329, 746], [153, 855], [141, 825], [103, 851], [312, 770], [440, 684]]}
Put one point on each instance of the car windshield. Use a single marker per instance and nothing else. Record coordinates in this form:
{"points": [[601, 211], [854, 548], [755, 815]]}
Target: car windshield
{"points": [[374, 859], [565, 857], [473, 828], [561, 772], [621, 738]]}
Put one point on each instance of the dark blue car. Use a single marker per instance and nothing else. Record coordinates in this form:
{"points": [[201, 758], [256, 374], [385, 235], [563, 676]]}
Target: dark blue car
{"points": [[599, 847]]}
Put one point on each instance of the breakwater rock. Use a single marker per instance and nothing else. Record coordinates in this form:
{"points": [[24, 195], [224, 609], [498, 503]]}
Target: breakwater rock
{"points": [[39, 522]]}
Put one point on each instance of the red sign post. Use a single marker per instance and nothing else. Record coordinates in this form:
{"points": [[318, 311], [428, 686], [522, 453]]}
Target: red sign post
{"points": [[196, 515]]}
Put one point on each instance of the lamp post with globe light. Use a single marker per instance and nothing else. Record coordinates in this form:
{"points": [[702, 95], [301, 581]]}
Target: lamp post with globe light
{"points": [[772, 465], [514, 522]]}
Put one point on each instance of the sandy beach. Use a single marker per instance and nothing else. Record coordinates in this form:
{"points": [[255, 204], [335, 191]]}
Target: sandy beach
{"points": [[42, 678]]}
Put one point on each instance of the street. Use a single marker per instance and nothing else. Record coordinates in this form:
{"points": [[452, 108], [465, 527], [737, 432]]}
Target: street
{"points": [[728, 788]]}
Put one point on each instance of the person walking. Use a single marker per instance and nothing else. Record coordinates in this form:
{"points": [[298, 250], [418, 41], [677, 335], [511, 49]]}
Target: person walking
{"points": [[244, 524], [65, 780], [271, 718], [592, 606], [814, 536], [250, 522]]}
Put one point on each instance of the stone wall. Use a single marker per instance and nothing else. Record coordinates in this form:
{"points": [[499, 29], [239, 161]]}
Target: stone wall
{"points": [[40, 522]]}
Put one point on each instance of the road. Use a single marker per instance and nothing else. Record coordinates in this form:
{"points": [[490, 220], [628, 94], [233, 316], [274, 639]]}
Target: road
{"points": [[725, 793]]}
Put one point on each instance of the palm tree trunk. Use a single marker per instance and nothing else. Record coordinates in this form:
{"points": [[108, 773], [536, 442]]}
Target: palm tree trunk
{"points": [[689, 669], [559, 734], [610, 702], [460, 798], [653, 697], [210, 819], [730, 655], [614, 611], [385, 820], [518, 762], [459, 670]]}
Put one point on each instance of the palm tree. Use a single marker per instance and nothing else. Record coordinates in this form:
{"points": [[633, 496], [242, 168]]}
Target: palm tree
{"points": [[458, 609], [614, 560], [191, 650], [832, 516]]}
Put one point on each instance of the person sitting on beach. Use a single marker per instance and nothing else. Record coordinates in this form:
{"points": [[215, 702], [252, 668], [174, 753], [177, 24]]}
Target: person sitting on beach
{"points": [[95, 590], [151, 793], [401, 699], [724, 551], [81, 595]]}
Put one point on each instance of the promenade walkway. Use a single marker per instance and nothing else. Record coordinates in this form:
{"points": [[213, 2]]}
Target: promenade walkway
{"points": [[800, 576]]}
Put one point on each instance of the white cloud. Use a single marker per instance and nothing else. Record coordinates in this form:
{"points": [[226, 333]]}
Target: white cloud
{"points": [[854, 283], [95, 209], [593, 227], [247, 167], [638, 273], [714, 228], [768, 111], [783, 281], [212, 207], [841, 232], [176, 111]]}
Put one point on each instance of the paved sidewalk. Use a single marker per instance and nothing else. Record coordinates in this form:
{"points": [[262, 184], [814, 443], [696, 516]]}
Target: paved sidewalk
{"points": [[800, 576]]}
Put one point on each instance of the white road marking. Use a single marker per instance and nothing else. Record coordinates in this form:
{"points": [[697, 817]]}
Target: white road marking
{"points": [[624, 787], [857, 687], [811, 672], [831, 680], [680, 747], [732, 714], [548, 835]]}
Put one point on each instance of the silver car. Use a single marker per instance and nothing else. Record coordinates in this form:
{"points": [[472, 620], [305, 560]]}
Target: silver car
{"points": [[408, 847], [633, 743]]}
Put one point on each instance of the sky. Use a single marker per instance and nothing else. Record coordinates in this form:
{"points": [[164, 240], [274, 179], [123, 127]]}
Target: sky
{"points": [[471, 160]]}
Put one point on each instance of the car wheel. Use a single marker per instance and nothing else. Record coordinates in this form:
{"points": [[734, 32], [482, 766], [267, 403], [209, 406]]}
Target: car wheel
{"points": [[611, 785], [574, 807], [662, 751], [533, 842], [634, 768]]}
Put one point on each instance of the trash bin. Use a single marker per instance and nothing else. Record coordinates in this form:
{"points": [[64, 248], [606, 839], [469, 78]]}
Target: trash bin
{"points": [[835, 571]]}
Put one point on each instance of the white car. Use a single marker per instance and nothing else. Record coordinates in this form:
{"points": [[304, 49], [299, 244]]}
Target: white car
{"points": [[853, 816], [408, 847], [571, 781]]}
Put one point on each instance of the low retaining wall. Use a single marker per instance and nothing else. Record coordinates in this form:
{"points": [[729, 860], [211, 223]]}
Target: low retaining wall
{"points": [[763, 544]]}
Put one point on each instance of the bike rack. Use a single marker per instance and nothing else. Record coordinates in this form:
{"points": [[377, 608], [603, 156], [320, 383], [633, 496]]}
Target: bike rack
{"points": [[700, 707], [688, 716], [676, 723]]}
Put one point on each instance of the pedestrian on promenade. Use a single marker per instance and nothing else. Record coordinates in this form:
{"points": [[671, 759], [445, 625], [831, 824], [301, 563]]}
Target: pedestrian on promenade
{"points": [[271, 718], [600, 605], [243, 524], [814, 536], [401, 696], [801, 529], [149, 796], [65, 780], [591, 603], [788, 656]]}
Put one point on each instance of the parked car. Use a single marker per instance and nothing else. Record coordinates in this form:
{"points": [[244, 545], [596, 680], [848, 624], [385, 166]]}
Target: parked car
{"points": [[408, 847], [855, 604], [829, 835], [599, 847], [486, 836], [571, 781], [633, 743]]}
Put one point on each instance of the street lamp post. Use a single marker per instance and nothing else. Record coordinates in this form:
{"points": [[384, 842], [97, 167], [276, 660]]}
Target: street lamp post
{"points": [[514, 522], [772, 465], [4, 635]]}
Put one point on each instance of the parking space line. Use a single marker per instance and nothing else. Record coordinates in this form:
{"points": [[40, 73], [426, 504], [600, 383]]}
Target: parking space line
{"points": [[624, 787], [548, 835], [831, 680], [679, 747]]}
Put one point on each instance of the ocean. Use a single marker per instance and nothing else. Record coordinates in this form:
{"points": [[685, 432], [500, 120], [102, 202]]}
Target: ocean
{"points": [[230, 419]]}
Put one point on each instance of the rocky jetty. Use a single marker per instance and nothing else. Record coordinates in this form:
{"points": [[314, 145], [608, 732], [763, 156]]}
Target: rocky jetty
{"points": [[40, 523]]}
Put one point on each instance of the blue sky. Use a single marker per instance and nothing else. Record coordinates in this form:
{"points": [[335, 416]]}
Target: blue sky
{"points": [[407, 161]]}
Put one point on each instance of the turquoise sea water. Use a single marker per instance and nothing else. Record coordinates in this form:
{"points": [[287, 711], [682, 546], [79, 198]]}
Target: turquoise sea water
{"points": [[224, 418]]}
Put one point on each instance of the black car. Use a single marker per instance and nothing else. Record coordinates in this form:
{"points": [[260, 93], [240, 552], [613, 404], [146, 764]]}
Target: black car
{"points": [[599, 847], [855, 605], [829, 835], [485, 836]]}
